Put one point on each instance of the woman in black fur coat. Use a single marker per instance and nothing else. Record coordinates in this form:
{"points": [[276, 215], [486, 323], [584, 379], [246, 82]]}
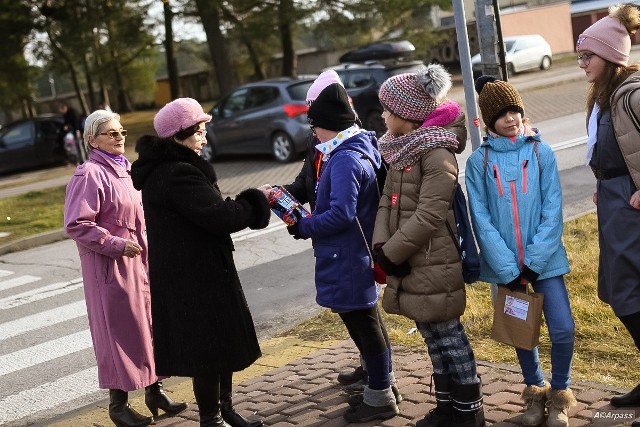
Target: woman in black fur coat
{"points": [[202, 327]]}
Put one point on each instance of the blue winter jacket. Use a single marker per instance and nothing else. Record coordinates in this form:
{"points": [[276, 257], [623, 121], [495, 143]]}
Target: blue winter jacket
{"points": [[516, 208], [347, 186]]}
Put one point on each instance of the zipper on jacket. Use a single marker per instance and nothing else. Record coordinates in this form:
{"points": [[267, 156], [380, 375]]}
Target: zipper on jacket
{"points": [[496, 175], [516, 223], [398, 203], [524, 175]]}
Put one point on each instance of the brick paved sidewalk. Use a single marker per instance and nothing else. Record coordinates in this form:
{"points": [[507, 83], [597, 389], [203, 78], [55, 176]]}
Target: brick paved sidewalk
{"points": [[305, 393]]}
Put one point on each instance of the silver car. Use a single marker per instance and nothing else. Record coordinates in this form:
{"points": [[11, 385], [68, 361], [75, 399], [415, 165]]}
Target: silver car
{"points": [[264, 117], [522, 53]]}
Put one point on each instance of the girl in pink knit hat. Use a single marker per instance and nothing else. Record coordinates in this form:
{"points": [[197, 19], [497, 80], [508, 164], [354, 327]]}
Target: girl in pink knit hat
{"points": [[613, 152]]}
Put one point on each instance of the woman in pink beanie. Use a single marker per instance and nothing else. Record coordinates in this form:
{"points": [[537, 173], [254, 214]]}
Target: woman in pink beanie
{"points": [[202, 326], [613, 152]]}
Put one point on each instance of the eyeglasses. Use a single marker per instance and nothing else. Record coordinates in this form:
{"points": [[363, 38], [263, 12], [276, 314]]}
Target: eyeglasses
{"points": [[115, 133], [201, 132], [584, 59]]}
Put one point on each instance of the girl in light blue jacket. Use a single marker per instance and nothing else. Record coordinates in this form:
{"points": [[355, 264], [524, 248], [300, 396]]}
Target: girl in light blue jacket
{"points": [[515, 201]]}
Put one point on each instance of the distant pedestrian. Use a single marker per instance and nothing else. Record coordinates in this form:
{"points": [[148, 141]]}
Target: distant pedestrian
{"points": [[413, 244], [73, 125], [202, 326], [103, 214], [303, 188], [515, 200], [613, 153], [340, 226]]}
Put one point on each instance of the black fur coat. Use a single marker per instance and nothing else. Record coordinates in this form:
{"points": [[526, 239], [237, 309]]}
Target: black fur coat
{"points": [[201, 321]]}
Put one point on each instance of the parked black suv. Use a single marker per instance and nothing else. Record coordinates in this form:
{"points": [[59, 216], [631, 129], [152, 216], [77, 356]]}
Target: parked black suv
{"points": [[363, 79]]}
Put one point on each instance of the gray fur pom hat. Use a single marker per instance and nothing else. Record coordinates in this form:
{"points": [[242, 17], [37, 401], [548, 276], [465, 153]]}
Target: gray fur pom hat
{"points": [[414, 96]]}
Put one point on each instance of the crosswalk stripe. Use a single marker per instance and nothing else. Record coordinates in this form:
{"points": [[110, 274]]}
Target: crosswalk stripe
{"points": [[4, 273], [45, 352], [43, 319], [49, 395], [17, 281], [40, 293]]}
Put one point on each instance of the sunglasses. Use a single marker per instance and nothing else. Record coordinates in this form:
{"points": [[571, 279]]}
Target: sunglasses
{"points": [[115, 133]]}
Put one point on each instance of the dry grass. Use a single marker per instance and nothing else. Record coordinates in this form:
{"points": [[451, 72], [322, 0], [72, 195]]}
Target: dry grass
{"points": [[604, 350]]}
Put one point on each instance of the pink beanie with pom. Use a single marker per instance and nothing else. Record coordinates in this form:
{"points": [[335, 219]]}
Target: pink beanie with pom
{"points": [[178, 115], [325, 79]]}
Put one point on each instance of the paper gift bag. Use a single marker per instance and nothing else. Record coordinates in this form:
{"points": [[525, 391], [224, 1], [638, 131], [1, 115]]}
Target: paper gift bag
{"points": [[516, 318]]}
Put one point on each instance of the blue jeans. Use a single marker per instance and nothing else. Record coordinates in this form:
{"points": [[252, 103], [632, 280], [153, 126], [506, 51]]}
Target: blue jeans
{"points": [[557, 315]]}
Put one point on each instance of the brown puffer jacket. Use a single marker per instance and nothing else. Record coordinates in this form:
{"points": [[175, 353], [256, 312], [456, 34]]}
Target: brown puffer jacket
{"points": [[625, 114], [411, 224]]}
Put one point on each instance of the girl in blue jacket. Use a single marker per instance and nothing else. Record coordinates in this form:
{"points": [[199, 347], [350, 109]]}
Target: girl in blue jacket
{"points": [[515, 200]]}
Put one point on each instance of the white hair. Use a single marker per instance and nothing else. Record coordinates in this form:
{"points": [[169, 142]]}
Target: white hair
{"points": [[93, 122]]}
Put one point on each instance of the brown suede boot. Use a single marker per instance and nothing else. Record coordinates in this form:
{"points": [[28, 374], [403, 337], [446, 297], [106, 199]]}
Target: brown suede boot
{"points": [[559, 403], [535, 398]]}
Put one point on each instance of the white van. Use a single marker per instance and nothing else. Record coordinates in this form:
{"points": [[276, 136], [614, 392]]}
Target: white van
{"points": [[522, 53]]}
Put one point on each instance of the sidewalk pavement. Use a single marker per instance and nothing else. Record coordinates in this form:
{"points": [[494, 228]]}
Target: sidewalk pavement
{"points": [[294, 384]]}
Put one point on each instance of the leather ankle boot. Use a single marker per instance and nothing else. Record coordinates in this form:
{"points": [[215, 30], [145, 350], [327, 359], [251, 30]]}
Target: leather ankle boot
{"points": [[629, 399], [155, 397], [535, 398], [350, 377], [122, 414], [207, 393], [229, 414]]}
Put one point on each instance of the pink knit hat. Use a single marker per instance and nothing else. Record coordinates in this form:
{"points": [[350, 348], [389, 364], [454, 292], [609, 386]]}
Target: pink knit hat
{"points": [[177, 115], [609, 38], [413, 96], [322, 81]]}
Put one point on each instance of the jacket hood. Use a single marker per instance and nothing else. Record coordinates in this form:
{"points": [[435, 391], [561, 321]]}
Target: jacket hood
{"points": [[153, 151], [365, 143], [504, 143]]}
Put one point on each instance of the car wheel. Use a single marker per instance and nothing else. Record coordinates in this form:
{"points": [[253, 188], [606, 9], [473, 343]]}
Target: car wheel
{"points": [[282, 147], [375, 122], [546, 63], [207, 153]]}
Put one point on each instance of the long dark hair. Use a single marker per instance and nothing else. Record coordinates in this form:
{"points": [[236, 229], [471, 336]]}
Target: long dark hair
{"points": [[602, 90]]}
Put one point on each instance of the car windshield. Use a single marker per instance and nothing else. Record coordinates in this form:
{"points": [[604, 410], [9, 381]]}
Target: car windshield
{"points": [[509, 45], [298, 91]]}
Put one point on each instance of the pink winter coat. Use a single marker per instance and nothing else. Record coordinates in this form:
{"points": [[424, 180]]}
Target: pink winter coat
{"points": [[102, 211]]}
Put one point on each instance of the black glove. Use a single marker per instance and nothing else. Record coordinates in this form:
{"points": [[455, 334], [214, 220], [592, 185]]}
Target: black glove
{"points": [[294, 229], [514, 285], [529, 275], [390, 268]]}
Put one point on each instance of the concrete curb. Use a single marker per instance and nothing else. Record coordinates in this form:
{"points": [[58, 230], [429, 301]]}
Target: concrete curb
{"points": [[33, 241]]}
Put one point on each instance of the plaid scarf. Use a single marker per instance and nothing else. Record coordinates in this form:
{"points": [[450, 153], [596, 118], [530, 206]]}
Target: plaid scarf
{"points": [[400, 151]]}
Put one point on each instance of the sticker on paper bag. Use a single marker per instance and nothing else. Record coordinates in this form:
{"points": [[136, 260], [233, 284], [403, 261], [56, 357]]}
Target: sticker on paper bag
{"points": [[516, 307]]}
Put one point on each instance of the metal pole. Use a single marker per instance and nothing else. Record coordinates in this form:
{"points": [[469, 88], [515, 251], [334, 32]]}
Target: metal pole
{"points": [[501, 52], [485, 25], [467, 73]]}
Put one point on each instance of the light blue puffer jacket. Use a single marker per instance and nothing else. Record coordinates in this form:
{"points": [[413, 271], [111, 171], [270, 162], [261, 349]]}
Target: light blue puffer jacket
{"points": [[516, 208]]}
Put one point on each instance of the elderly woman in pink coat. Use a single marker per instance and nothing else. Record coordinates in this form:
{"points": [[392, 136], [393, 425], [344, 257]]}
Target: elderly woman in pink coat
{"points": [[103, 214]]}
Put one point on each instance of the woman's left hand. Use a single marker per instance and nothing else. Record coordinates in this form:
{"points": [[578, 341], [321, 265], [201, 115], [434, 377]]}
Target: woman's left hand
{"points": [[635, 200]]}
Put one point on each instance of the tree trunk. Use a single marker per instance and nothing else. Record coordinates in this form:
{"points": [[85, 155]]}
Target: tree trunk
{"points": [[289, 59], [172, 66], [73, 73], [89, 78], [210, 17]]}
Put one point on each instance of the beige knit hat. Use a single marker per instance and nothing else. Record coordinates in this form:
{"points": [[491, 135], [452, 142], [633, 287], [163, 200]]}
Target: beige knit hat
{"points": [[610, 37]]}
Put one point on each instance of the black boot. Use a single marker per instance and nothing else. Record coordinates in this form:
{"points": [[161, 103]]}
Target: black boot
{"points": [[442, 414], [226, 405], [207, 393], [155, 397], [468, 410], [629, 399], [350, 377], [122, 414]]}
